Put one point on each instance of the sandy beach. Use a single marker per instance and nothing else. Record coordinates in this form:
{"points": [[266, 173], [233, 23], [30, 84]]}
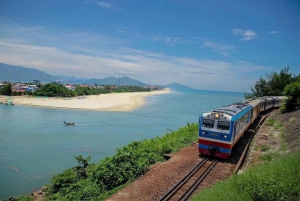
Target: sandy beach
{"points": [[104, 102]]}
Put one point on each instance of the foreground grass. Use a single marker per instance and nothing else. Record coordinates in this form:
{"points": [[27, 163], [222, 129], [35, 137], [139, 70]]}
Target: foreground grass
{"points": [[99, 181], [277, 179]]}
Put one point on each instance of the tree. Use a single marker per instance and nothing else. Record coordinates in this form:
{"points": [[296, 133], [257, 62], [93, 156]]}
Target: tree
{"points": [[7, 90], [292, 91], [81, 170], [273, 85]]}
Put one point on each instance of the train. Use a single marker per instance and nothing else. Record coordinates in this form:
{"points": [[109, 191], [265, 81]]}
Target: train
{"points": [[221, 129]]}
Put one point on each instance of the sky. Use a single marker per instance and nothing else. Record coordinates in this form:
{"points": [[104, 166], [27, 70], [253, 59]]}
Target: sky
{"points": [[211, 45]]}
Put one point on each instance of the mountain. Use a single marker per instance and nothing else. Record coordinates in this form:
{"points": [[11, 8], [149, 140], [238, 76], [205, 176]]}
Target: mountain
{"points": [[179, 87], [116, 81], [71, 79], [19, 73]]}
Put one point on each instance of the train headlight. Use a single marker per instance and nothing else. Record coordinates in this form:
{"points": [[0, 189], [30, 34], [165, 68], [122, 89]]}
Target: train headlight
{"points": [[217, 115]]}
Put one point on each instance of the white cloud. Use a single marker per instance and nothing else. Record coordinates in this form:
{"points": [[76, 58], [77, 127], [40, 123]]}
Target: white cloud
{"points": [[166, 39], [92, 55], [218, 47], [105, 5], [108, 5], [247, 34], [273, 32]]}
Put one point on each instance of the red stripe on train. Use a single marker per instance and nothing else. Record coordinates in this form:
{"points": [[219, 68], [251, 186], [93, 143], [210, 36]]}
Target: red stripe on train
{"points": [[213, 143], [218, 154]]}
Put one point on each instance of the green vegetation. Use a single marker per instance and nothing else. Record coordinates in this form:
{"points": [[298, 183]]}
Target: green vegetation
{"points": [[6, 90], [292, 91], [273, 85], [283, 83], [271, 122], [98, 181], [55, 89], [264, 147], [277, 179]]}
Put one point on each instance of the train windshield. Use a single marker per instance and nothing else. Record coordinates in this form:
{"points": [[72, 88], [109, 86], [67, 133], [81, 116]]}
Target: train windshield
{"points": [[223, 125], [208, 123]]}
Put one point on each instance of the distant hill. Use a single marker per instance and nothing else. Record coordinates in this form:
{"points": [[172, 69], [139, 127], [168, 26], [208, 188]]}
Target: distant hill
{"points": [[116, 81], [179, 87], [71, 79], [23, 74], [19, 73]]}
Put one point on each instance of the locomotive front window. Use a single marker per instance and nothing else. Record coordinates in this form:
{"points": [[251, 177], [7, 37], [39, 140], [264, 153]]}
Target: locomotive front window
{"points": [[208, 123], [223, 125]]}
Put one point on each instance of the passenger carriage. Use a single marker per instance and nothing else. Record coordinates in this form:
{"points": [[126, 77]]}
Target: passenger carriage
{"points": [[256, 108], [278, 101], [221, 129], [266, 103]]}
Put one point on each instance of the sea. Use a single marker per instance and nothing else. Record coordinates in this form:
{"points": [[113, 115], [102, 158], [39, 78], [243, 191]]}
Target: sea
{"points": [[35, 144]]}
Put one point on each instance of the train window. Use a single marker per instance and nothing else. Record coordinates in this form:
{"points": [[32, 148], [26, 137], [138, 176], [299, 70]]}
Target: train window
{"points": [[208, 123], [223, 125]]}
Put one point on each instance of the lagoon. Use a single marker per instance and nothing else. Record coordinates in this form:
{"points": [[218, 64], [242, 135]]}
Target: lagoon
{"points": [[35, 143]]}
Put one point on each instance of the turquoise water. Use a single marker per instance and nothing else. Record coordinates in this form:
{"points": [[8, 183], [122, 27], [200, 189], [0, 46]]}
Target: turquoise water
{"points": [[35, 143]]}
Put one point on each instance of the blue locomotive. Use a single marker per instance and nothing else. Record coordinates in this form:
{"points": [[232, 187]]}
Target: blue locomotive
{"points": [[221, 129]]}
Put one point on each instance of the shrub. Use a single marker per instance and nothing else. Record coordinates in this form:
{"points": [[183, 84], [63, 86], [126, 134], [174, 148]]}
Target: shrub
{"points": [[271, 122], [111, 173], [264, 147]]}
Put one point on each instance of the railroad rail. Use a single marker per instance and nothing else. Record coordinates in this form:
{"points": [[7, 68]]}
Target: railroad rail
{"points": [[187, 185]]}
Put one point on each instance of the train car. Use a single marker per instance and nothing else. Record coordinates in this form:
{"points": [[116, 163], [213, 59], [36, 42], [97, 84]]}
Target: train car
{"points": [[266, 103], [220, 129], [256, 108], [278, 101]]}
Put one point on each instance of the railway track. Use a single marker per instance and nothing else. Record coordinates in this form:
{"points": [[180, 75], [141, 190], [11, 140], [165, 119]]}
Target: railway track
{"points": [[187, 185]]}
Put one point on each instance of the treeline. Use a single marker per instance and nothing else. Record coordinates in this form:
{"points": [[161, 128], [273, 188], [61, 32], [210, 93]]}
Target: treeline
{"points": [[283, 83], [6, 89], [55, 89]]}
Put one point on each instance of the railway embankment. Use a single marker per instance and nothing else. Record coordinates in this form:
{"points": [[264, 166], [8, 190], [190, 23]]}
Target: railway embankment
{"points": [[272, 168]]}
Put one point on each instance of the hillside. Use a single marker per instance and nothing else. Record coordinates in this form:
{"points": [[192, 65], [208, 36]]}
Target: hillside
{"points": [[179, 87], [19, 73], [116, 81], [23, 74]]}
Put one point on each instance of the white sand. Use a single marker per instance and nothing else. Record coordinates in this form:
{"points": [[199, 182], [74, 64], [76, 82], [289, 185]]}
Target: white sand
{"points": [[103, 102]]}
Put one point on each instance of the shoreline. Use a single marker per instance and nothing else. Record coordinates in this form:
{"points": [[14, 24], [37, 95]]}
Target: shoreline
{"points": [[118, 102]]}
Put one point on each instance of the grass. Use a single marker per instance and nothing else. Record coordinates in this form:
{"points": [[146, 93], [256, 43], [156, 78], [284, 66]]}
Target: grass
{"points": [[283, 145], [292, 119], [270, 156], [277, 179], [271, 122], [265, 147], [278, 125]]}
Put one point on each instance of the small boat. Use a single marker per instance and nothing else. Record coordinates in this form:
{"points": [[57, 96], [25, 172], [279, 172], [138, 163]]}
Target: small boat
{"points": [[69, 123]]}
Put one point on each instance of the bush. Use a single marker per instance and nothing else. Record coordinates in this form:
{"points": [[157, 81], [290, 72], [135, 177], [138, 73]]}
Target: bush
{"points": [[271, 122], [129, 162], [264, 147]]}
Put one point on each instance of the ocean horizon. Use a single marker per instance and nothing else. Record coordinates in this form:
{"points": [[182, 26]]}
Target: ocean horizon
{"points": [[35, 143]]}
